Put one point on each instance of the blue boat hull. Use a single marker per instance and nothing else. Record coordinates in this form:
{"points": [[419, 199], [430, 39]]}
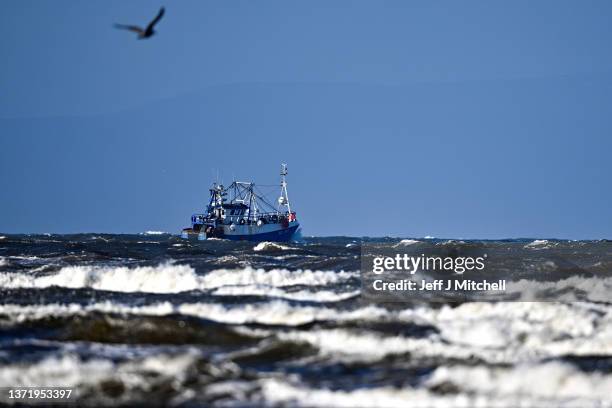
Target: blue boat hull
{"points": [[282, 235]]}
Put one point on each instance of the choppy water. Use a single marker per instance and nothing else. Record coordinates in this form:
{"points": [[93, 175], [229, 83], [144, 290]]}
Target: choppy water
{"points": [[155, 320]]}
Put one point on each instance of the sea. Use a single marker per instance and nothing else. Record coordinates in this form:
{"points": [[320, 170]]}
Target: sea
{"points": [[154, 320]]}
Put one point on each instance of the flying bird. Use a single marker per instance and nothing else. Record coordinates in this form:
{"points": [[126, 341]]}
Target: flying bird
{"points": [[146, 32]]}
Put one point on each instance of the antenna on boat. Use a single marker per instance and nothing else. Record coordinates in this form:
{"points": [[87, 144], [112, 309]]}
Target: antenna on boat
{"points": [[284, 198]]}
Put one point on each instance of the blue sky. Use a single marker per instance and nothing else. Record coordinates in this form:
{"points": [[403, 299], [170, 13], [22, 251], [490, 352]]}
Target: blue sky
{"points": [[450, 119]]}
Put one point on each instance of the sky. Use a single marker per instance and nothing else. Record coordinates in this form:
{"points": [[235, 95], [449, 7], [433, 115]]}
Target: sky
{"points": [[472, 119]]}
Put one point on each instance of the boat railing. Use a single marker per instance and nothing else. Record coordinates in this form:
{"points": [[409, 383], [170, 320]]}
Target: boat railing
{"points": [[272, 216]]}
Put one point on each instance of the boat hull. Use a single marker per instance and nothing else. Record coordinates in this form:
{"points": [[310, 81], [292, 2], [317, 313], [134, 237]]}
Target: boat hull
{"points": [[269, 232], [281, 235]]}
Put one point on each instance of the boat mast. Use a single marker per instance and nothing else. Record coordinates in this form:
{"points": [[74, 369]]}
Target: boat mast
{"points": [[284, 198]]}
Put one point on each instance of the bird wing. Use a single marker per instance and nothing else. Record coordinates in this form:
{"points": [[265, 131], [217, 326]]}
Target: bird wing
{"points": [[133, 28], [156, 19]]}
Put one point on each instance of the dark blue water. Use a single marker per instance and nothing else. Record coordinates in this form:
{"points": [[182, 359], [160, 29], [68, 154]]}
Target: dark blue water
{"points": [[154, 320]]}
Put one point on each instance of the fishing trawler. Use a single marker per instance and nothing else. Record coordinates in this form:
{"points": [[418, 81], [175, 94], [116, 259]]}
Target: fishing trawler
{"points": [[242, 212]]}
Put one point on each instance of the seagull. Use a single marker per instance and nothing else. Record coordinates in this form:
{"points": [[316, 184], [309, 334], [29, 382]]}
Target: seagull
{"points": [[146, 32]]}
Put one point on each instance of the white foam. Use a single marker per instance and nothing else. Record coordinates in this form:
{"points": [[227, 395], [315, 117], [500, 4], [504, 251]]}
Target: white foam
{"points": [[406, 242], [493, 332], [67, 371], [2, 237], [537, 243], [165, 278], [369, 346], [278, 392], [21, 313], [154, 233], [25, 258], [274, 277], [168, 278], [594, 288], [302, 295], [3, 261], [99, 238], [351, 343], [549, 385], [270, 246], [451, 242], [70, 371], [553, 381], [520, 331], [275, 312]]}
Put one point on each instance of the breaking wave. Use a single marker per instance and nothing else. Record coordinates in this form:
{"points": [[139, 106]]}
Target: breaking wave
{"points": [[541, 385], [539, 244], [154, 233], [274, 277], [595, 289], [168, 278], [106, 382], [406, 242], [275, 312], [270, 246], [71, 371], [273, 292], [553, 381], [225, 325]]}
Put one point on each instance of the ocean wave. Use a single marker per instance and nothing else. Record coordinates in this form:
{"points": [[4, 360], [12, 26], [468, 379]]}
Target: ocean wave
{"points": [[154, 233], [25, 258], [302, 295], [541, 385], [498, 333], [278, 392], [539, 244], [3, 261], [366, 346], [89, 376], [168, 278], [450, 242], [274, 277], [574, 288], [520, 331], [165, 278], [275, 312], [406, 242], [270, 246], [494, 332], [100, 238], [553, 381]]}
